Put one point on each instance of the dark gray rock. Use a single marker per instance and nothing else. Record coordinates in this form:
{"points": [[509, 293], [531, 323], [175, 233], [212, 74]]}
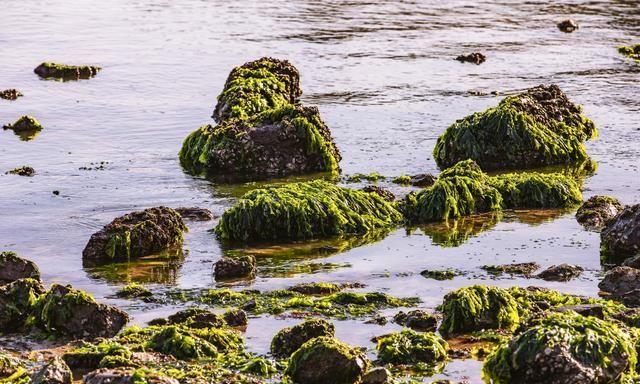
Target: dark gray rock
{"points": [[620, 237], [13, 267], [54, 372], [235, 268], [561, 272]]}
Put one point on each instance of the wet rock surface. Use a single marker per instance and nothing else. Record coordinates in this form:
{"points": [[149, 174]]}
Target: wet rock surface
{"points": [[475, 58], [48, 70], [125, 376], [597, 210], [10, 94], [22, 171], [438, 275], [620, 237], [595, 310], [561, 272], [235, 268], [568, 25], [290, 339], [195, 214], [423, 180], [417, 320], [54, 372], [13, 267]]}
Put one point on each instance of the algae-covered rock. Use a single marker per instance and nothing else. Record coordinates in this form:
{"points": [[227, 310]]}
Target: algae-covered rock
{"points": [[561, 272], [89, 356], [305, 210], [475, 58], [195, 213], [181, 344], [410, 347], [290, 339], [236, 318], [417, 319], [133, 291], [134, 235], [564, 348], [597, 210], [326, 360], [10, 94], [440, 275], [17, 303], [54, 372], [22, 171], [126, 376], [26, 127], [317, 288], [13, 267], [476, 308], [536, 190], [620, 237], [67, 311], [194, 318], [535, 128], [66, 72], [631, 51], [235, 268], [525, 269], [382, 192]]}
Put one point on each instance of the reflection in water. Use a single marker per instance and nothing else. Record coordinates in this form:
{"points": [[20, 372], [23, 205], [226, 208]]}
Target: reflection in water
{"points": [[27, 135], [228, 187], [156, 269]]}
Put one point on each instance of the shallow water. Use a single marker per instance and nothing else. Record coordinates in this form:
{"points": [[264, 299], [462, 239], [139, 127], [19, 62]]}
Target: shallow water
{"points": [[382, 74]]}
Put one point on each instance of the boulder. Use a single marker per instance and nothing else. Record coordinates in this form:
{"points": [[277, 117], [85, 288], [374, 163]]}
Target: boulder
{"points": [[236, 318], [378, 375], [568, 25], [475, 58], [538, 127], [70, 312], [54, 372], [13, 267], [423, 180], [48, 70], [126, 376], [135, 235], [409, 347], [235, 268], [17, 303], [525, 269], [290, 339], [417, 320], [10, 94], [597, 210], [318, 288], [561, 272], [134, 291], [620, 237], [181, 344], [326, 360], [195, 214]]}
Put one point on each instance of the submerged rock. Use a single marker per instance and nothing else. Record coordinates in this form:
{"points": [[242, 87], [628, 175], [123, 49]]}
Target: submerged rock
{"points": [[525, 269], [568, 25], [126, 376], [561, 272], [67, 311], [194, 213], [54, 372], [13, 267], [620, 237], [136, 234], [475, 58], [10, 94], [382, 192], [305, 210], [290, 339], [65, 72], [535, 128], [17, 304], [410, 347], [235, 268], [22, 171], [417, 319], [564, 348], [597, 210], [632, 51], [326, 360]]}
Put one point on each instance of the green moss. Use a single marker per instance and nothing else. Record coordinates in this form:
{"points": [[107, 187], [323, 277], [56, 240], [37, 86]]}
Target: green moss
{"points": [[371, 177], [410, 347], [180, 344], [133, 290], [18, 304], [316, 288], [52, 308], [536, 190], [591, 342], [289, 339], [25, 124], [526, 269], [305, 210], [535, 128], [632, 51]]}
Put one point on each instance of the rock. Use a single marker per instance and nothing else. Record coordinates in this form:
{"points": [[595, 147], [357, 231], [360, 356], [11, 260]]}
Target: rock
{"points": [[326, 360], [236, 318], [561, 272], [67, 311], [10, 94], [417, 320], [12, 370], [26, 127], [305, 210], [410, 347], [595, 310], [565, 348], [378, 375], [22, 171], [633, 262], [66, 72], [181, 344], [135, 235], [632, 51], [125, 376], [620, 237], [196, 318], [133, 291], [423, 180], [290, 339], [438, 275], [196, 214], [568, 25], [235, 268], [526, 269], [538, 127], [13, 267], [596, 211], [17, 303], [622, 283], [317, 289], [54, 372], [382, 192], [475, 58]]}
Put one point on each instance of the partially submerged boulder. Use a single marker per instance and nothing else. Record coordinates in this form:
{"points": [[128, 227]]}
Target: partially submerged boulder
{"points": [[410, 347], [22, 171], [136, 234], [525, 269], [49, 70], [70, 312], [561, 272], [538, 127], [193, 318], [13, 267], [290, 339], [305, 210], [597, 210], [417, 320], [622, 283], [327, 360], [134, 291], [564, 348], [568, 25], [631, 51], [17, 303], [10, 94], [126, 376], [26, 127], [620, 237], [243, 267], [181, 344], [440, 275], [475, 58], [55, 371]]}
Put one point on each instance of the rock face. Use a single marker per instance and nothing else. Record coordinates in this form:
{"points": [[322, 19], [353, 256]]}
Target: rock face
{"points": [[595, 212], [135, 235], [55, 372], [564, 348], [125, 376], [290, 339], [196, 214], [70, 312], [66, 72], [262, 130], [561, 272], [475, 58], [17, 302], [13, 267], [10, 94], [410, 347], [535, 128], [326, 360], [622, 283], [235, 268], [417, 319], [568, 25], [620, 238]]}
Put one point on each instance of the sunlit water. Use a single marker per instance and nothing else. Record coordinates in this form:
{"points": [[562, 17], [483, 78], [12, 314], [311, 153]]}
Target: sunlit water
{"points": [[382, 74]]}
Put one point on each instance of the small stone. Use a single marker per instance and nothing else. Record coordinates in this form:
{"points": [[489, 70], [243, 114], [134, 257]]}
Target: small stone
{"points": [[10, 94], [378, 375], [24, 124], [568, 25], [423, 180], [66, 72], [235, 268], [595, 212], [475, 58], [195, 214], [418, 320], [561, 272], [236, 318], [55, 372], [525, 269], [22, 171], [438, 275], [56, 192]]}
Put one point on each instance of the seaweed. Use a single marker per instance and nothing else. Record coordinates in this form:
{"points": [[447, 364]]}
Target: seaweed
{"points": [[631, 51], [411, 347]]}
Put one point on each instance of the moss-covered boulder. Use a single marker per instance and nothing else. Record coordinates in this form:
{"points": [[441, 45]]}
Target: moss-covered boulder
{"points": [[327, 360], [227, 268], [597, 210], [290, 339], [305, 210], [477, 308], [530, 190], [13, 267], [70, 312], [55, 371], [48, 70], [631, 51], [26, 127], [181, 344], [134, 235], [410, 347], [17, 304], [620, 237], [87, 356], [535, 128], [134, 291], [564, 348], [127, 376]]}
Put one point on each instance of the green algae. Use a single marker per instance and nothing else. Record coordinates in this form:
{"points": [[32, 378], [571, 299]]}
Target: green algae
{"points": [[535, 128], [18, 303], [631, 51], [304, 211], [402, 180], [372, 177], [180, 344], [439, 275], [51, 308], [411, 347], [290, 339], [536, 190]]}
